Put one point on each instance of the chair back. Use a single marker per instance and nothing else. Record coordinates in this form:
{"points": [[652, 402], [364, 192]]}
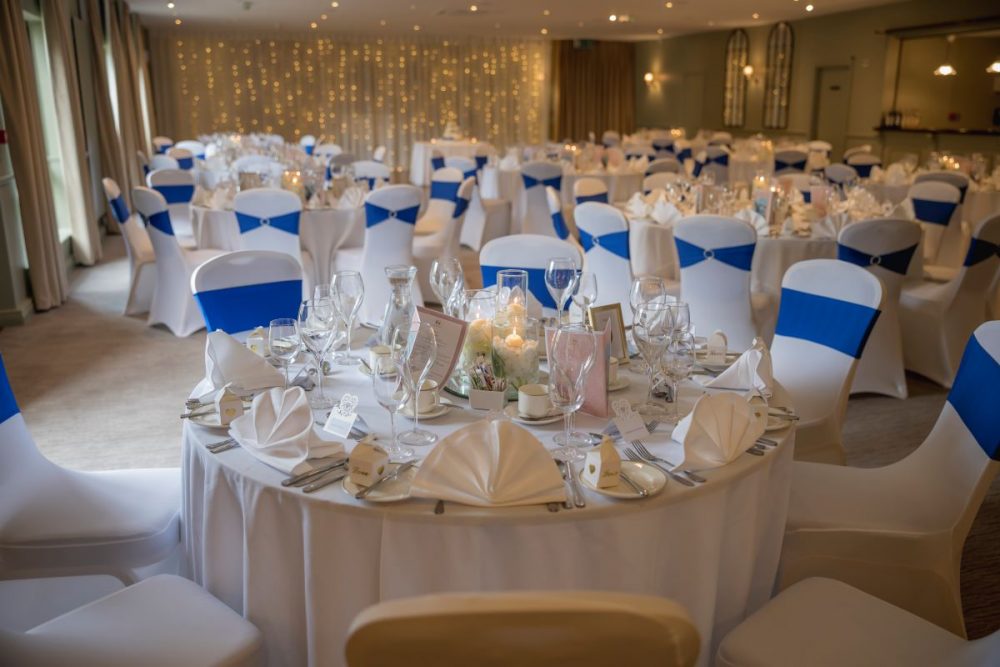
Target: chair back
{"points": [[664, 165], [437, 160], [184, 157], [137, 243], [537, 175], [863, 163], [713, 160], [155, 212], [307, 143], [161, 144], [195, 147], [466, 165], [379, 153], [604, 237], [801, 182], [554, 201], [445, 183], [529, 629], [482, 156], [979, 268], [326, 151], [956, 178], [449, 232], [269, 219], [854, 150], [664, 146], [935, 206], [791, 161], [721, 139], [818, 146], [177, 188], [337, 163], [19, 454], [246, 289], [884, 248], [659, 180], [161, 161], [371, 172], [390, 215], [633, 152], [716, 255], [840, 174], [143, 163], [588, 188], [532, 253], [610, 139]]}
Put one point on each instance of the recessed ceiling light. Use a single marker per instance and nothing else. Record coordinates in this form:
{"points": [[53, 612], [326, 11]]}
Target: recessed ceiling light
{"points": [[613, 18], [545, 12], [416, 28], [381, 22], [756, 16], [809, 8], [335, 4], [545, 31], [473, 8], [177, 21], [669, 5], [322, 17], [659, 31], [994, 67], [170, 5], [313, 25]]}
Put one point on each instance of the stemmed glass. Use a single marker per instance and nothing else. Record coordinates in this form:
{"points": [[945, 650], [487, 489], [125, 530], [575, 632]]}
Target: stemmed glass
{"points": [[316, 326], [647, 289], [586, 293], [560, 278], [680, 316], [571, 356], [652, 330], [347, 291], [392, 393], [418, 351], [678, 361], [447, 280], [284, 342]]}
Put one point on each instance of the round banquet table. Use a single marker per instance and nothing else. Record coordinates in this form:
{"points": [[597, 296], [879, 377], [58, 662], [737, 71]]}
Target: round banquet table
{"points": [[420, 156], [300, 567], [321, 232]]}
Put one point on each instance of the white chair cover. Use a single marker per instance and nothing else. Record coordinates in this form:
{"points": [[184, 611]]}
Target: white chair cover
{"points": [[559, 227], [721, 139], [161, 144], [326, 151], [537, 176], [840, 174], [307, 143], [246, 289], [138, 248], [897, 531], [269, 219], [884, 248], [863, 163], [936, 206], [184, 157], [465, 165], [587, 189], [371, 172], [713, 160], [828, 309], [196, 148], [177, 187], [956, 237], [440, 209], [792, 161], [610, 139], [664, 165], [444, 242], [532, 253], [956, 178], [603, 233], [379, 153], [659, 180], [937, 318], [854, 150], [161, 161], [143, 164], [664, 146]]}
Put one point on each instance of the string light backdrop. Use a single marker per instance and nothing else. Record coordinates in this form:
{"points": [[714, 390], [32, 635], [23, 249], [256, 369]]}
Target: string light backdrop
{"points": [[357, 92]]}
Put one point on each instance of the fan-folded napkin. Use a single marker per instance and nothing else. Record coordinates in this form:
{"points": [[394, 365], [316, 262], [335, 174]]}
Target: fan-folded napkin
{"points": [[490, 463], [353, 197], [279, 431], [754, 218], [751, 372], [664, 212], [227, 361], [718, 430]]}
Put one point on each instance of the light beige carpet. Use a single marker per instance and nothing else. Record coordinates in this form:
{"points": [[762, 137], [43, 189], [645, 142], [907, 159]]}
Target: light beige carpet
{"points": [[103, 391]]}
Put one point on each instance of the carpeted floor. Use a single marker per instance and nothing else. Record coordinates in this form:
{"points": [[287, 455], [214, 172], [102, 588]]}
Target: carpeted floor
{"points": [[103, 391]]}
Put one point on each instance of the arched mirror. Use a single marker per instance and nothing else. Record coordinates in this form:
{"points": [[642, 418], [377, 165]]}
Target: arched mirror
{"points": [[737, 58], [777, 84]]}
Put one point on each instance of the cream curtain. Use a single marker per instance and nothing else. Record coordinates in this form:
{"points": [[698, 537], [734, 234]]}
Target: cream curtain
{"points": [[27, 151], [126, 58], [358, 92], [69, 115]]}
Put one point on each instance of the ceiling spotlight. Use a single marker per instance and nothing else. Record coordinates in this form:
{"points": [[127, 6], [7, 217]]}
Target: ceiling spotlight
{"points": [[416, 28], [659, 31], [177, 21], [335, 4], [313, 25], [809, 8], [170, 5], [322, 17], [994, 67], [613, 18], [748, 71], [544, 31], [545, 12], [473, 8], [382, 22], [669, 5]]}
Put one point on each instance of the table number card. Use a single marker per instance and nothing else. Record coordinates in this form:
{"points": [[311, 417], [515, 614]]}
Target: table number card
{"points": [[450, 334], [610, 315], [342, 417], [629, 422]]}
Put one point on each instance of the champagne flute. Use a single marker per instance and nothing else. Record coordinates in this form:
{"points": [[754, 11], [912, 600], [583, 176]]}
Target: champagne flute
{"points": [[678, 361], [316, 325], [586, 293], [560, 279], [392, 393], [283, 341], [571, 356], [418, 351], [652, 330], [347, 290]]}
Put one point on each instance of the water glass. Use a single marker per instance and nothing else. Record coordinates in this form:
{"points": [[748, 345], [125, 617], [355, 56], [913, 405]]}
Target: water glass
{"points": [[316, 325], [446, 278], [652, 330], [392, 393], [560, 278], [283, 341], [347, 291], [571, 356], [586, 293], [418, 351], [678, 362]]}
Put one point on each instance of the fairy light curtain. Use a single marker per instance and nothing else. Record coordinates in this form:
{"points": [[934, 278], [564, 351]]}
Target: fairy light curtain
{"points": [[357, 92]]}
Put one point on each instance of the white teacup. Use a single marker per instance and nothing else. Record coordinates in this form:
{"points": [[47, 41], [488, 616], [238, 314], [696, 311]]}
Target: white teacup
{"points": [[427, 397], [612, 370], [533, 400], [377, 352]]}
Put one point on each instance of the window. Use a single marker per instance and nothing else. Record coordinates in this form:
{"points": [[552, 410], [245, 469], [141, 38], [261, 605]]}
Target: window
{"points": [[737, 57], [779, 76]]}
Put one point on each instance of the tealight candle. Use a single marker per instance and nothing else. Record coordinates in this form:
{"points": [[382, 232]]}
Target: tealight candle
{"points": [[514, 341]]}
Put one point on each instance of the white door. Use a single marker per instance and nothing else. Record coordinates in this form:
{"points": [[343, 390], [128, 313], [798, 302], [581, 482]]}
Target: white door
{"points": [[833, 97]]}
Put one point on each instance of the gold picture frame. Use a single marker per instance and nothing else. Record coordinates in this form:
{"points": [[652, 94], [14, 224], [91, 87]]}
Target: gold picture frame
{"points": [[599, 316]]}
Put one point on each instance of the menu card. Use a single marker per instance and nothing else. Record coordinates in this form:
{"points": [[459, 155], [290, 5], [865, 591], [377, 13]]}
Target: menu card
{"points": [[450, 335]]}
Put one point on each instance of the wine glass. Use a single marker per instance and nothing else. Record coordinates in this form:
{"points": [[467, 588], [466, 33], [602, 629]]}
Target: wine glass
{"points": [[446, 277], [347, 291], [418, 351], [560, 278], [316, 325], [586, 293], [571, 356], [678, 361], [652, 330], [321, 292], [392, 393], [283, 340], [680, 316], [646, 289]]}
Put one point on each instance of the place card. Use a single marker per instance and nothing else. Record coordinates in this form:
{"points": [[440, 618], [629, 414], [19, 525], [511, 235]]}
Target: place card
{"points": [[342, 417], [449, 333], [602, 466], [715, 351], [629, 422]]}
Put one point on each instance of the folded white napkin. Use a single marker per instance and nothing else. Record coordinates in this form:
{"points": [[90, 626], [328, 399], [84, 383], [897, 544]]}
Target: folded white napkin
{"points": [[895, 174], [201, 197], [279, 431], [754, 218], [636, 206], [490, 463], [751, 372], [353, 197], [509, 162], [826, 227], [227, 361], [221, 198], [665, 212], [719, 429], [876, 175]]}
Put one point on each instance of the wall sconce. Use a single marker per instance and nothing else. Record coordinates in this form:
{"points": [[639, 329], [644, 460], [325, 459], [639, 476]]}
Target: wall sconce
{"points": [[994, 67], [748, 71], [653, 79]]}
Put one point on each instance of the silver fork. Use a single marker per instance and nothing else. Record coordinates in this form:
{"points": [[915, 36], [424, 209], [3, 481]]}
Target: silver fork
{"points": [[649, 456], [634, 456]]}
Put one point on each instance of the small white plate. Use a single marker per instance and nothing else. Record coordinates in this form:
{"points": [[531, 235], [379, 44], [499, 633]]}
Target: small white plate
{"points": [[209, 420], [511, 411], [619, 384], [440, 409], [389, 492], [645, 475], [731, 358]]}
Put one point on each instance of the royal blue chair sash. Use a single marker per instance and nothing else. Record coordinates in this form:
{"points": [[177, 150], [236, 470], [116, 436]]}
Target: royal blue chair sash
{"points": [[310, 148], [372, 182], [864, 170], [839, 325], [718, 159], [376, 214], [781, 164], [329, 171], [8, 404], [529, 182], [482, 161], [120, 209], [437, 163], [601, 197], [472, 173], [962, 189], [559, 223], [246, 307], [161, 221], [663, 145], [185, 163], [973, 396], [536, 282], [936, 212], [897, 261], [683, 154], [737, 256], [980, 250], [446, 190], [176, 194], [145, 170], [616, 242], [286, 222], [163, 148], [200, 156], [807, 196], [461, 206]]}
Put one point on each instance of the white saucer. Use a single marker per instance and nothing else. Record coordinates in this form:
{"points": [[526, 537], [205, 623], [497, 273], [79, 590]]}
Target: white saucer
{"points": [[731, 358], [209, 420], [511, 411], [645, 475], [390, 492], [441, 408], [619, 384]]}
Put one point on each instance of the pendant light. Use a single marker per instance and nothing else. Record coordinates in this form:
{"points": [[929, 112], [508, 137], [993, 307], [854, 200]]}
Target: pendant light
{"points": [[945, 69]]}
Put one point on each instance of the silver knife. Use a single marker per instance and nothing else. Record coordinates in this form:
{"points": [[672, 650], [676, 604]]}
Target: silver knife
{"points": [[309, 474], [326, 480], [578, 498], [363, 493]]}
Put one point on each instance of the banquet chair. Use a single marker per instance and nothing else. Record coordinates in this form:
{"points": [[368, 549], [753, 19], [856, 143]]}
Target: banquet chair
{"points": [[937, 318], [791, 161], [532, 253], [956, 178], [955, 241], [524, 628], [444, 242], [482, 156], [604, 237], [936, 206], [819, 146], [534, 207], [196, 148], [897, 532], [338, 163], [138, 248], [803, 183], [614, 157], [826, 623], [307, 143], [559, 227], [437, 160], [242, 290], [855, 150], [326, 150], [270, 219], [827, 311], [373, 173], [172, 305], [716, 255], [378, 155], [659, 181], [610, 139], [161, 621], [884, 248], [390, 215], [143, 163], [664, 147], [664, 165], [485, 220], [177, 187], [841, 174], [184, 157], [636, 152], [55, 521], [162, 161], [713, 161], [588, 188], [161, 144], [440, 209], [863, 163], [466, 165]]}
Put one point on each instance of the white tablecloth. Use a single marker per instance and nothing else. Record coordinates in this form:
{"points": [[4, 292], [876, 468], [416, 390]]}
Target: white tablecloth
{"points": [[300, 567], [321, 232], [420, 156]]}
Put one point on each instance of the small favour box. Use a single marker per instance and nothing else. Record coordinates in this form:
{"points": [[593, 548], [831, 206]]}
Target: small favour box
{"points": [[230, 406], [602, 467], [368, 463], [257, 342], [715, 352], [480, 399]]}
